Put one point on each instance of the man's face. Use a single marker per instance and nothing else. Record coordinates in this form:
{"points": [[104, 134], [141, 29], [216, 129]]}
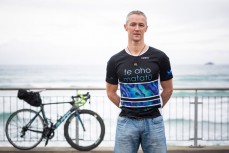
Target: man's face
{"points": [[136, 26]]}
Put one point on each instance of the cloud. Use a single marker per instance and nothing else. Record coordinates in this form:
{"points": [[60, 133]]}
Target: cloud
{"points": [[72, 32]]}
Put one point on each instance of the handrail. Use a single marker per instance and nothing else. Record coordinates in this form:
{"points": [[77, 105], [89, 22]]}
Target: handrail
{"points": [[103, 88]]}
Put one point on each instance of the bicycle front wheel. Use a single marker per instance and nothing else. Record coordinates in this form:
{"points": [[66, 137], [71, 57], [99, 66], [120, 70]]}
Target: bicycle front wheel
{"points": [[84, 130], [22, 135]]}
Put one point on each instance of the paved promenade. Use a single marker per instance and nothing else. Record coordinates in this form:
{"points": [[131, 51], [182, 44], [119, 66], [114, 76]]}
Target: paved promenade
{"points": [[217, 149]]}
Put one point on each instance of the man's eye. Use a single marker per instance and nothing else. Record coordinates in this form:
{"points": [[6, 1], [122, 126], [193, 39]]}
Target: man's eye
{"points": [[132, 24]]}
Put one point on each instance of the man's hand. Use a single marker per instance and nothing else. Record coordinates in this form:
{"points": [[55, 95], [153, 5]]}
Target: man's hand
{"points": [[167, 90], [112, 93]]}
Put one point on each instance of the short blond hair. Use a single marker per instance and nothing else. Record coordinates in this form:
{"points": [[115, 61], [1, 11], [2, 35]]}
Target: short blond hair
{"points": [[135, 12]]}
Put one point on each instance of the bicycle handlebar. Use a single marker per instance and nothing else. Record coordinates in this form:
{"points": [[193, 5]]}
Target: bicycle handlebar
{"points": [[84, 96], [82, 99]]}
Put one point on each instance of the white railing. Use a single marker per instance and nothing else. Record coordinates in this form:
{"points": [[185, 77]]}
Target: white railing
{"points": [[193, 116]]}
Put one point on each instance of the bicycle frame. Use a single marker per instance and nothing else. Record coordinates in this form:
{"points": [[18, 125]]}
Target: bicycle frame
{"points": [[74, 108]]}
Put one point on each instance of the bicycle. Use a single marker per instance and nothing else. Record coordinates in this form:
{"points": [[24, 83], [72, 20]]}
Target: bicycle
{"points": [[26, 128]]}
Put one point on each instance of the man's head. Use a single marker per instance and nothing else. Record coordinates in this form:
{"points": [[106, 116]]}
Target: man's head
{"points": [[136, 26], [137, 13]]}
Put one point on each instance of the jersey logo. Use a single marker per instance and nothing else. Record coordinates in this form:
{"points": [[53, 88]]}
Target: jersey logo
{"points": [[144, 57]]}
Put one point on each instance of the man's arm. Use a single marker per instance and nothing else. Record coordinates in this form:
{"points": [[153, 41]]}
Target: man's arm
{"points": [[167, 90], [112, 93]]}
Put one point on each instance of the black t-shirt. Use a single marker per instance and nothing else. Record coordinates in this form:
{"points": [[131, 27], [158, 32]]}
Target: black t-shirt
{"points": [[139, 81]]}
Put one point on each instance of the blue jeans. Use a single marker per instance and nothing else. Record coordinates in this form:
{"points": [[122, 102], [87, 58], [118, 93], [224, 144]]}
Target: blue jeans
{"points": [[149, 133]]}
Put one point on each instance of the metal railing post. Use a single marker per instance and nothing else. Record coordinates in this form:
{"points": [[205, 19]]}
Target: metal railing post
{"points": [[196, 120], [195, 138]]}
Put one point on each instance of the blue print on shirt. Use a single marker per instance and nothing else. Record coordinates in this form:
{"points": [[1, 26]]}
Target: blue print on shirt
{"points": [[139, 90]]}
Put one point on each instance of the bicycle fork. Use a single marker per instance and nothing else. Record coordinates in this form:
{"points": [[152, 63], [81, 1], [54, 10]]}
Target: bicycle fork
{"points": [[78, 116]]}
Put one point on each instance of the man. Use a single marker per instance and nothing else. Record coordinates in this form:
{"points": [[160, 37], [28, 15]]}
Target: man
{"points": [[139, 70]]}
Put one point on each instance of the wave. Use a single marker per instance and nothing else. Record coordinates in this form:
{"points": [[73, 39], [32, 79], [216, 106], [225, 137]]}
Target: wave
{"points": [[4, 116]]}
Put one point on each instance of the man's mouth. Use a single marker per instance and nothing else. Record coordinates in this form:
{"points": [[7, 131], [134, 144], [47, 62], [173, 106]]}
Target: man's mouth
{"points": [[137, 34]]}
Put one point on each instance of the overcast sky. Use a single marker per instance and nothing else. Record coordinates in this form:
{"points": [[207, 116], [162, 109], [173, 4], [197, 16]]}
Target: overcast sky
{"points": [[90, 31]]}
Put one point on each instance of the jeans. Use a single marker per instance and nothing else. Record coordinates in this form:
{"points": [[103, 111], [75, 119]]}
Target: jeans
{"points": [[149, 133]]}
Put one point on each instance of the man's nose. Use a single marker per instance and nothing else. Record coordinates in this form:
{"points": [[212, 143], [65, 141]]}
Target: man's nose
{"points": [[137, 27]]}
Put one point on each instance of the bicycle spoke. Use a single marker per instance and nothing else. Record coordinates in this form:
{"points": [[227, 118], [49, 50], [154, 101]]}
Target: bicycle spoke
{"points": [[20, 136]]}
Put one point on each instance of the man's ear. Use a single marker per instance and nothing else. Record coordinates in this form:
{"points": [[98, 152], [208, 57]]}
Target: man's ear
{"points": [[146, 28], [125, 26]]}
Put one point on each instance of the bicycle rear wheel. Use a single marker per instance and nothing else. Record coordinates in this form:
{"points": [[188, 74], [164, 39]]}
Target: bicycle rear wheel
{"points": [[19, 135], [88, 138]]}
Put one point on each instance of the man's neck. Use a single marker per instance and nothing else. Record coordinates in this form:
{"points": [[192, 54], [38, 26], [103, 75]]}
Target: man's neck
{"points": [[135, 48]]}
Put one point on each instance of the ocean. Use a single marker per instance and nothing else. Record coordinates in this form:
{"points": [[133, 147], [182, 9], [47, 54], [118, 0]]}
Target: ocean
{"points": [[178, 116], [67, 76]]}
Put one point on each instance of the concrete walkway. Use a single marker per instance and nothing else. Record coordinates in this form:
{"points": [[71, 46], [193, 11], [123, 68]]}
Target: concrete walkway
{"points": [[215, 149]]}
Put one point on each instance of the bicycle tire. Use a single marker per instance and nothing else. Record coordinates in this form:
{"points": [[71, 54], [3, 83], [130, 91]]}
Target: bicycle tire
{"points": [[84, 140], [14, 129]]}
